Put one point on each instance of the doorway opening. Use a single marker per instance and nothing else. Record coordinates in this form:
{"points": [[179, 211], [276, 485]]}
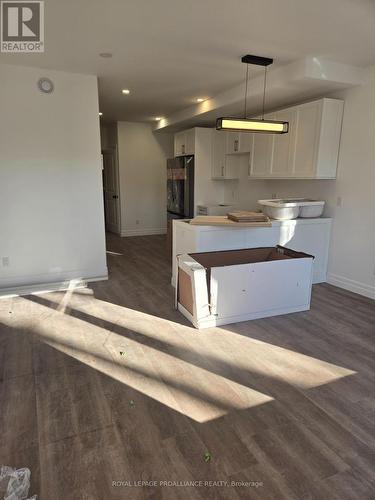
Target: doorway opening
{"points": [[111, 191]]}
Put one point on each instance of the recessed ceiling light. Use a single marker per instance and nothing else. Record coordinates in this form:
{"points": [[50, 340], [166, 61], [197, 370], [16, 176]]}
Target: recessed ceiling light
{"points": [[100, 113], [200, 99], [125, 91], [158, 118], [106, 55]]}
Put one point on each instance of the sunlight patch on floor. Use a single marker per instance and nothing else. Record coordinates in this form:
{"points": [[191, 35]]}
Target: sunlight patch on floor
{"points": [[294, 368], [188, 389], [203, 375], [246, 353]]}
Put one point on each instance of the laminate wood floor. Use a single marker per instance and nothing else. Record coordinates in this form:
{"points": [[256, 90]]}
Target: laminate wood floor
{"points": [[105, 387]]}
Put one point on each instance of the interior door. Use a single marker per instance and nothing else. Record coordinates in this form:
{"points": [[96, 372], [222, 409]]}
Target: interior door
{"points": [[111, 191]]}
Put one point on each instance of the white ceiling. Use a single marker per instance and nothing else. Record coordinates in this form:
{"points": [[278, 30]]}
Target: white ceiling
{"points": [[168, 52], [287, 84]]}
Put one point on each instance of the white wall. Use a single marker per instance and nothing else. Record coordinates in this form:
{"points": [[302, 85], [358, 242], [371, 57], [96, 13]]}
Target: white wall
{"points": [[244, 192], [143, 178], [352, 252], [51, 203], [104, 140]]}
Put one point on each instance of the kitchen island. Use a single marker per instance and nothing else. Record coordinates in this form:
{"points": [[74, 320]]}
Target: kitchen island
{"points": [[311, 236]]}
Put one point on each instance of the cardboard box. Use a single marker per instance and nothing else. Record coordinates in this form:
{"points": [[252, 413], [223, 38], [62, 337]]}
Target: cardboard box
{"points": [[217, 288]]}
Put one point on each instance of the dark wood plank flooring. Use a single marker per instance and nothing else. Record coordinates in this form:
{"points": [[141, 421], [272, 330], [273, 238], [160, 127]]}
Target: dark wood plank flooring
{"points": [[287, 403]]}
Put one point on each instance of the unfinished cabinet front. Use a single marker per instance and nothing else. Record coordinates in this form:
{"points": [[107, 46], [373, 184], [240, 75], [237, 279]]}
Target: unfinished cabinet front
{"points": [[217, 288]]}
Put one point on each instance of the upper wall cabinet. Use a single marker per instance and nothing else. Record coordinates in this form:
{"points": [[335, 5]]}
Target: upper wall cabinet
{"points": [[232, 142], [224, 166], [184, 142], [237, 142], [308, 151], [283, 145], [261, 152]]}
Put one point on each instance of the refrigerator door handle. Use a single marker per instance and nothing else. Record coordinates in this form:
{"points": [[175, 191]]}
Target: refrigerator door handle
{"points": [[189, 187], [186, 189]]}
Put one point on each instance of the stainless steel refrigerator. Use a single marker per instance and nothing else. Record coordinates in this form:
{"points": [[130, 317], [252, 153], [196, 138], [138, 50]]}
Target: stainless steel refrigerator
{"points": [[180, 187], [180, 192]]}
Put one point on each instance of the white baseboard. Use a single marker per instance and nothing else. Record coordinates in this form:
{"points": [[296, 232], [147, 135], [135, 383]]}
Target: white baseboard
{"points": [[351, 285], [39, 286], [143, 232], [319, 278]]}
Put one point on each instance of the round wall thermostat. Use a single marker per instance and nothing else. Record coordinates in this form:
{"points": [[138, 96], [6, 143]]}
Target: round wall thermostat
{"points": [[45, 85]]}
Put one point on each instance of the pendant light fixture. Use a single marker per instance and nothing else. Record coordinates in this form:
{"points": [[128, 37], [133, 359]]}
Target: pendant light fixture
{"points": [[246, 124]]}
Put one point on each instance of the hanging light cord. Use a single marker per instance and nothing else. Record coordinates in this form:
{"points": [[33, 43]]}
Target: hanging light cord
{"points": [[264, 90], [247, 79]]}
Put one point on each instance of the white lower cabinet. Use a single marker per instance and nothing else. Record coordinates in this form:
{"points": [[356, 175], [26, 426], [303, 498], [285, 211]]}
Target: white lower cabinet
{"points": [[308, 151], [302, 235], [218, 288]]}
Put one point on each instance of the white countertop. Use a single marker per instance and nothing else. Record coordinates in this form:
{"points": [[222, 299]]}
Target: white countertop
{"points": [[275, 223]]}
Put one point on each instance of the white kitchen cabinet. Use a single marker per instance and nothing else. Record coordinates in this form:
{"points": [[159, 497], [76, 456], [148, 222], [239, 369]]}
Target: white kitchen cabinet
{"points": [[219, 288], [317, 156], [218, 154], [223, 166], [245, 142], [261, 153], [307, 133], [238, 142], [284, 145], [311, 236], [232, 142], [179, 143], [308, 151], [184, 142], [190, 141]]}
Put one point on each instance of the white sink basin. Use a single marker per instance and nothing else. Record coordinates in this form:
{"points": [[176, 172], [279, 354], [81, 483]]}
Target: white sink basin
{"points": [[291, 208]]}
